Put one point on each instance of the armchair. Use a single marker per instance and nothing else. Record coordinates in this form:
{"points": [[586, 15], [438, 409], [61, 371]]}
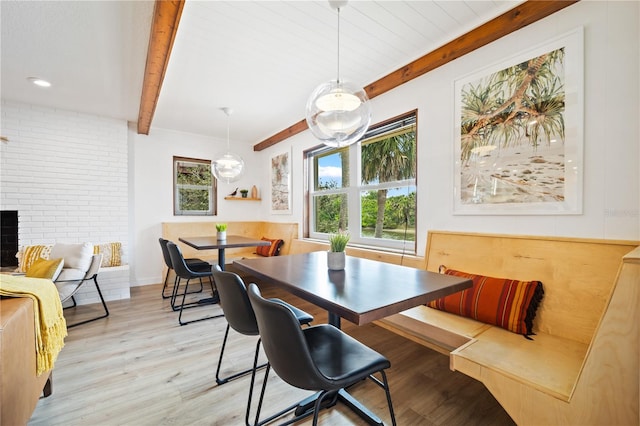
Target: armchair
{"points": [[80, 266]]}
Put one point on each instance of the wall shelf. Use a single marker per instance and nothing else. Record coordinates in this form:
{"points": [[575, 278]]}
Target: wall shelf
{"points": [[242, 199]]}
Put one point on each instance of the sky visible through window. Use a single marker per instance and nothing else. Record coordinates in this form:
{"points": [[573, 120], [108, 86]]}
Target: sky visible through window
{"points": [[329, 169]]}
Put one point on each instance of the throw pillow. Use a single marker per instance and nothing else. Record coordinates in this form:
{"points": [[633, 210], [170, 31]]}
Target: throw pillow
{"points": [[29, 254], [45, 268], [111, 254], [510, 304], [270, 250], [76, 255]]}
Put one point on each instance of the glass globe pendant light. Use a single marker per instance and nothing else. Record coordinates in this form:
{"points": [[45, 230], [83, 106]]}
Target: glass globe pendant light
{"points": [[338, 112], [227, 167]]}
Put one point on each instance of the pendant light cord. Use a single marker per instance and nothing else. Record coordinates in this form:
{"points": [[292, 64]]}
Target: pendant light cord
{"points": [[228, 119], [338, 71]]}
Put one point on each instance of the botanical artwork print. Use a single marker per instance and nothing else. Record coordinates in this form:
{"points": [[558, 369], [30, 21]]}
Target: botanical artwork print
{"points": [[280, 182], [513, 132]]}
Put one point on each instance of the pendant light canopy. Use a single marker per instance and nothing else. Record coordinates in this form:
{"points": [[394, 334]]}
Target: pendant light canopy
{"points": [[227, 167], [338, 112]]}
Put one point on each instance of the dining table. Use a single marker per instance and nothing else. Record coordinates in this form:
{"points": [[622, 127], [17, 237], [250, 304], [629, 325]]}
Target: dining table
{"points": [[364, 291], [213, 243]]}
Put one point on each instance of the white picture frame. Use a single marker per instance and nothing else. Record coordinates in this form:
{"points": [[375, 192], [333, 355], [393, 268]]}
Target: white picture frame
{"points": [[529, 171], [280, 178]]}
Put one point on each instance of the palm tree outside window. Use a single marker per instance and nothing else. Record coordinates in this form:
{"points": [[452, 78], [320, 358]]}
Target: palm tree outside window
{"points": [[368, 188]]}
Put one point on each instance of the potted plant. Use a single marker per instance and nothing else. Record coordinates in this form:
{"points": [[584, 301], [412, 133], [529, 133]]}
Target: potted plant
{"points": [[222, 231], [335, 255], [244, 193]]}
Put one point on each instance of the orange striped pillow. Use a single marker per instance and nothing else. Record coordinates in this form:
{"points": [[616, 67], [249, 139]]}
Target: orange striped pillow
{"points": [[271, 250], [510, 304]]}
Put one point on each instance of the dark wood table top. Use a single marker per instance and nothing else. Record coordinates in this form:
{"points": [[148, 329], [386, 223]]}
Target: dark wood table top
{"points": [[212, 243], [366, 290]]}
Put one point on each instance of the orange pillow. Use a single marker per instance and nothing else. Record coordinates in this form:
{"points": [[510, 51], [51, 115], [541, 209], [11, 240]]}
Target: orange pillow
{"points": [[271, 250], [510, 304]]}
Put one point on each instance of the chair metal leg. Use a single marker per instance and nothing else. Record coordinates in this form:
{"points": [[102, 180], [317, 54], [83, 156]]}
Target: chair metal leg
{"points": [[260, 401], [318, 405], [193, 305], [386, 390], [104, 305], [174, 295], [222, 381], [176, 285], [166, 277]]}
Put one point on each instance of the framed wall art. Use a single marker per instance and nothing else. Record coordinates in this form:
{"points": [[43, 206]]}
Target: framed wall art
{"points": [[519, 133], [281, 183]]}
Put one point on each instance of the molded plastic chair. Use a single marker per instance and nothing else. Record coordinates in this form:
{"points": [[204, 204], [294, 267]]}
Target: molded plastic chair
{"points": [[320, 358], [239, 314], [193, 263], [183, 272]]}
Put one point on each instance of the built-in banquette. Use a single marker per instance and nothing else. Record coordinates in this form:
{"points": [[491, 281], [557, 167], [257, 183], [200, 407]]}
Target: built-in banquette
{"points": [[172, 231], [580, 366]]}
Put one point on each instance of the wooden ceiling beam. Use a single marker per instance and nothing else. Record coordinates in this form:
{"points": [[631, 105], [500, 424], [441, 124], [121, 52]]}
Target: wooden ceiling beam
{"points": [[166, 17], [513, 20]]}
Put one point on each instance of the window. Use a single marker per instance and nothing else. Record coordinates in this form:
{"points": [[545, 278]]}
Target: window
{"points": [[368, 188], [194, 189]]}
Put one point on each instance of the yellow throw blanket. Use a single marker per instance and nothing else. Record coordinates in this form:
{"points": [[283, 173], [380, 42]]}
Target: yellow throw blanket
{"points": [[50, 325]]}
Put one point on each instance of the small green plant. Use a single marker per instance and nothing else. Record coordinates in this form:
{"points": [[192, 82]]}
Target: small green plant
{"points": [[339, 241], [220, 227], [244, 192]]}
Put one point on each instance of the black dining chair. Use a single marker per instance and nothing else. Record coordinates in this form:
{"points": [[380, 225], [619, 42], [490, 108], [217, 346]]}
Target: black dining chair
{"points": [[183, 272], [193, 263], [239, 314], [319, 358]]}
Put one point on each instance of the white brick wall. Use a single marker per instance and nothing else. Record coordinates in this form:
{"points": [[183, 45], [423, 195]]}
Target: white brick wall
{"points": [[66, 174]]}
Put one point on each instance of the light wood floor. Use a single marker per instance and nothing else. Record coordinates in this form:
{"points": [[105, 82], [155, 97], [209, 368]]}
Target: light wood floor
{"points": [[139, 367]]}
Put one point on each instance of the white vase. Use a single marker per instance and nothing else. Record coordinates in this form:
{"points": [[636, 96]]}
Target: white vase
{"points": [[222, 235], [335, 260]]}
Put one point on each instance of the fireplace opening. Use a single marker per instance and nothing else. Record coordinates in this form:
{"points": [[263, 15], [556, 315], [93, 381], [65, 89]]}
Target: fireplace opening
{"points": [[8, 238]]}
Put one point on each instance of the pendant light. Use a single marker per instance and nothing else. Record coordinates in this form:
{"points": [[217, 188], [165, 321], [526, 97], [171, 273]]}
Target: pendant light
{"points": [[227, 167], [338, 112]]}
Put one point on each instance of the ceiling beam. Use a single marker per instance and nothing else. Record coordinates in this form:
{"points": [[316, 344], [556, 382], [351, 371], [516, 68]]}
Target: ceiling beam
{"points": [[166, 17], [513, 20]]}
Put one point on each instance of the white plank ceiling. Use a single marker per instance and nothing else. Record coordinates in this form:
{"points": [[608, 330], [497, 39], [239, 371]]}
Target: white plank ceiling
{"points": [[261, 58]]}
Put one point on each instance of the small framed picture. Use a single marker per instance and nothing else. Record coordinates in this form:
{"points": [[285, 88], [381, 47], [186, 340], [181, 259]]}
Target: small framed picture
{"points": [[281, 183]]}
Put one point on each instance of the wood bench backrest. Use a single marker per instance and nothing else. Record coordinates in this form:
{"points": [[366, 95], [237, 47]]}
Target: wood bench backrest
{"points": [[174, 230], [306, 246], [577, 274]]}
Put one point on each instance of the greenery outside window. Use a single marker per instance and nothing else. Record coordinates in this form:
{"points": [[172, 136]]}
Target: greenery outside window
{"points": [[368, 188], [194, 189]]}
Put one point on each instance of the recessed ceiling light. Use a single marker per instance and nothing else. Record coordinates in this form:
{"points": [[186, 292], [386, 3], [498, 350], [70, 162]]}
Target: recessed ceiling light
{"points": [[39, 82]]}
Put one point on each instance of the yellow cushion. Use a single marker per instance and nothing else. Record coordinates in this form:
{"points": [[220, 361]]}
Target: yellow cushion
{"points": [[44, 268], [111, 254], [29, 254]]}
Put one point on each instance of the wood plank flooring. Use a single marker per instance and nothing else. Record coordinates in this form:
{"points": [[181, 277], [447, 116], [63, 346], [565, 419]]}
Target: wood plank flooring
{"points": [[139, 367]]}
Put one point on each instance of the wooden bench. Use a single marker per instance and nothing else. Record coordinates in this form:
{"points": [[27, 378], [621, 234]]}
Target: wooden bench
{"points": [[582, 365], [174, 230]]}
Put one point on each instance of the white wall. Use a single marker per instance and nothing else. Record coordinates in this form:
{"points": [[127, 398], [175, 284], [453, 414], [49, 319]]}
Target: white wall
{"points": [[611, 187], [66, 175], [152, 201]]}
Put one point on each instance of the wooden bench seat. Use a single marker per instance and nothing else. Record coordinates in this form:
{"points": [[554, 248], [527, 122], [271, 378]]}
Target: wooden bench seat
{"points": [[582, 365]]}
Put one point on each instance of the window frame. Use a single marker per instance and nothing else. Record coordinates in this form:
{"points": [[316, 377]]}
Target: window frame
{"points": [[355, 187], [212, 189]]}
